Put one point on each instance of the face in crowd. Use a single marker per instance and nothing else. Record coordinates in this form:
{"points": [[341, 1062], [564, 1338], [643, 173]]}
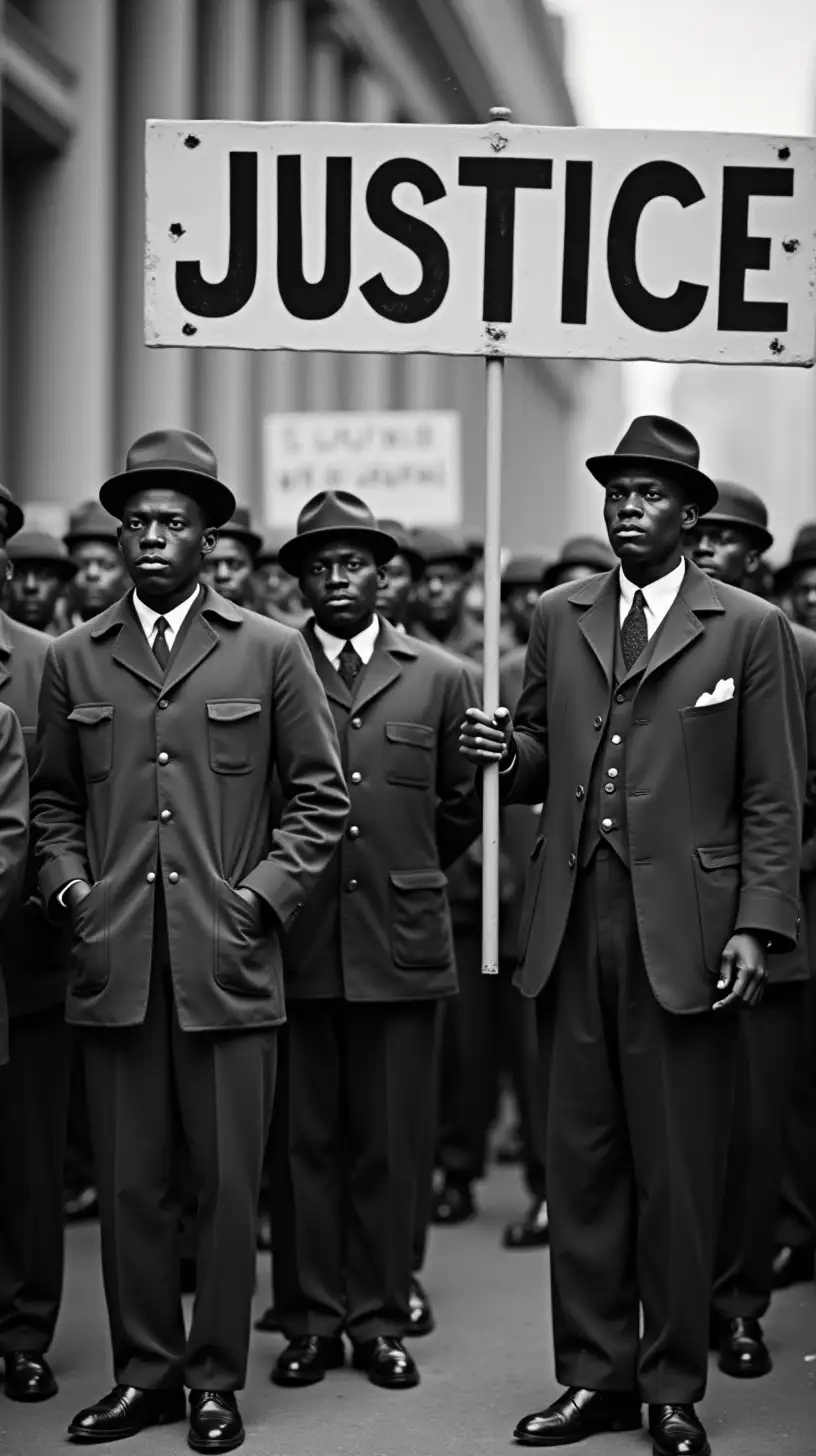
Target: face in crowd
{"points": [[33, 592], [229, 569], [439, 597], [518, 607], [278, 595], [646, 519], [394, 598], [101, 578], [163, 539], [803, 598], [341, 582], [723, 552]]}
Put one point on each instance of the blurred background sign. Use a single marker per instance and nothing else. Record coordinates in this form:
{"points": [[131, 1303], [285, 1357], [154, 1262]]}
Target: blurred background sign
{"points": [[404, 463]]}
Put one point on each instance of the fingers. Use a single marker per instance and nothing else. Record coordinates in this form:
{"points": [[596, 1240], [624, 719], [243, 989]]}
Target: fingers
{"points": [[747, 989], [727, 970]]}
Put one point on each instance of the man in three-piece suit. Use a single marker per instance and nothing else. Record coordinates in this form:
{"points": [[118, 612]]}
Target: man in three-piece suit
{"points": [[34, 1086], [366, 963], [662, 727], [162, 723]]}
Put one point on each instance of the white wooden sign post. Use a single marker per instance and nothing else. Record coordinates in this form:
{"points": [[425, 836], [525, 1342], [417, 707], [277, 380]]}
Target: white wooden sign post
{"points": [[496, 240]]}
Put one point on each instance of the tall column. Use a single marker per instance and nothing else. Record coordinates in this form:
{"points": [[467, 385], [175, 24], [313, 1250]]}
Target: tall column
{"points": [[224, 412], [157, 55], [370, 374], [325, 82], [424, 381], [61, 375]]}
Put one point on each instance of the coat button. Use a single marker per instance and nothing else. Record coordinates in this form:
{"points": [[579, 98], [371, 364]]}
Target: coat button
{"points": [[163, 703], [606, 825], [352, 886], [150, 877], [571, 861], [620, 697], [580, 791], [598, 723], [353, 832], [164, 758], [612, 772], [356, 722], [356, 778], [165, 815], [609, 788], [173, 877], [616, 738]]}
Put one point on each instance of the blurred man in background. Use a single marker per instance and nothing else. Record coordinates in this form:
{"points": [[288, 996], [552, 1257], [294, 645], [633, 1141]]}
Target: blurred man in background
{"points": [[100, 578], [396, 596], [439, 598], [277, 593], [580, 557], [230, 566], [41, 570]]}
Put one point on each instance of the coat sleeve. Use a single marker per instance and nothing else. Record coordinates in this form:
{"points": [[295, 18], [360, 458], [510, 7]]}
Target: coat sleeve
{"points": [[13, 808], [458, 813], [774, 765], [307, 758], [58, 794], [526, 781]]}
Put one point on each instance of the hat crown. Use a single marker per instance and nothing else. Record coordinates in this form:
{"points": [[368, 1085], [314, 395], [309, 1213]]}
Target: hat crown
{"points": [[435, 546], [659, 438], [335, 510], [172, 450], [37, 545], [239, 519], [586, 551], [740, 504], [92, 520], [523, 570]]}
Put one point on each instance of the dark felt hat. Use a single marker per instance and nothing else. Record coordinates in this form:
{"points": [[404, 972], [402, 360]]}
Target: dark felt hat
{"points": [[741, 507], [580, 551], [239, 525], [90, 522], [329, 514], [803, 555], [661, 445], [177, 460], [406, 546], [39, 547], [270, 547], [524, 570], [15, 520], [436, 546]]}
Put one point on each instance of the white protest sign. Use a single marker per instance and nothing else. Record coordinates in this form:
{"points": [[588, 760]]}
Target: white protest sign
{"points": [[487, 240], [404, 464]]}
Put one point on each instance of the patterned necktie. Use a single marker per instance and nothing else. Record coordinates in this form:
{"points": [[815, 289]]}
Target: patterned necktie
{"points": [[634, 632], [161, 651], [350, 665]]}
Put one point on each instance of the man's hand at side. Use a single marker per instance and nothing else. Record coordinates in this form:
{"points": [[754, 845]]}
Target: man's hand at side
{"points": [[485, 740], [743, 972]]}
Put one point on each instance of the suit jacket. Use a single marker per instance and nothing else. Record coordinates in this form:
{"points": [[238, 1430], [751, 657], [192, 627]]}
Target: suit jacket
{"points": [[33, 951], [518, 825], [801, 963], [377, 927], [714, 794], [13, 833], [140, 774]]}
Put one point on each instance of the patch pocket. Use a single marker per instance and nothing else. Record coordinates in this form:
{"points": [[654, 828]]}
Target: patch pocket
{"points": [[94, 722], [234, 726], [421, 936], [409, 757]]}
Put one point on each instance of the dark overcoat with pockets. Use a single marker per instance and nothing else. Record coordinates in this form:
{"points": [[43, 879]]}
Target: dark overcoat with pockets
{"points": [[13, 833]]}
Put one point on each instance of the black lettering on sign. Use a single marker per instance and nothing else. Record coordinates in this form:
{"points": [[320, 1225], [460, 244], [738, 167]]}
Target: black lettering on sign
{"points": [[501, 177], [577, 216], [417, 236], [649, 310], [220, 300], [739, 252], [326, 297]]}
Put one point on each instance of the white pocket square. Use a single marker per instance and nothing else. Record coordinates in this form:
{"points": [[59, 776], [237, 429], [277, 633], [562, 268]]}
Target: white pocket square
{"points": [[721, 694]]}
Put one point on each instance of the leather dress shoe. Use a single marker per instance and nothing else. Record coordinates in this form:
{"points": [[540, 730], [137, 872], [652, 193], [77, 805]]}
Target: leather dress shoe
{"points": [[386, 1362], [215, 1421], [531, 1232], [269, 1323], [422, 1316], [126, 1412], [307, 1358], [676, 1431], [28, 1377], [578, 1414], [743, 1351], [453, 1204], [793, 1266]]}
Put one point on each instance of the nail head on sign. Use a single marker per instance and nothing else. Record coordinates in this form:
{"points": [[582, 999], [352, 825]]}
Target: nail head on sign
{"points": [[500, 113]]}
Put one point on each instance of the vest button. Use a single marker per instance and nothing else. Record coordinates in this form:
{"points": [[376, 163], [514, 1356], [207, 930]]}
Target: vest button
{"points": [[598, 723], [612, 772], [606, 825], [571, 862], [609, 788], [356, 778], [356, 722], [150, 877], [620, 697], [616, 738], [579, 792], [163, 703], [164, 758], [173, 877], [352, 886]]}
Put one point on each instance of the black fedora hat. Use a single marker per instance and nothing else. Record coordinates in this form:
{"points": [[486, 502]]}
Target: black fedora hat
{"points": [[437, 546], [329, 514], [741, 507], [176, 459], [661, 445], [239, 525], [526, 570], [15, 520], [406, 547], [803, 556], [579, 551], [39, 547], [91, 522]]}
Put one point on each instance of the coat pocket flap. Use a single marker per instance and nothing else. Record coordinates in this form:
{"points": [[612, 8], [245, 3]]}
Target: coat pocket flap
{"points": [[91, 713], [419, 735], [229, 710], [719, 859], [418, 879]]}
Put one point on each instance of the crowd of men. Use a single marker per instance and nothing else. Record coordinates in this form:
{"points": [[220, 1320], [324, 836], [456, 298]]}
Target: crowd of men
{"points": [[241, 944]]}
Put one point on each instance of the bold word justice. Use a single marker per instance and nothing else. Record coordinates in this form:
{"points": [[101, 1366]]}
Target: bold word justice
{"points": [[501, 179]]}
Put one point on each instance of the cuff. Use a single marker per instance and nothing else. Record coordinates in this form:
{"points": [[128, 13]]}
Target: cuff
{"points": [[64, 891], [771, 917]]}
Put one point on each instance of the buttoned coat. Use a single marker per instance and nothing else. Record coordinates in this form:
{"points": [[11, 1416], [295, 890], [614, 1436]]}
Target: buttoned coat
{"points": [[140, 774], [713, 794], [13, 833], [518, 828], [377, 927]]}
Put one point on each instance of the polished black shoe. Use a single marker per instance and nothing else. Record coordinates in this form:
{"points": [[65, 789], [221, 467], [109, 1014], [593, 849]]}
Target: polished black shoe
{"points": [[28, 1377], [531, 1232], [578, 1414], [453, 1204], [422, 1316], [269, 1323], [793, 1266], [743, 1351], [676, 1431], [215, 1421], [126, 1412], [386, 1362], [307, 1358]]}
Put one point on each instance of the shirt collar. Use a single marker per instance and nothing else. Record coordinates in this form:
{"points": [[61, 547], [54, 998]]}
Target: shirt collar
{"points": [[173, 618], [364, 643], [658, 594]]}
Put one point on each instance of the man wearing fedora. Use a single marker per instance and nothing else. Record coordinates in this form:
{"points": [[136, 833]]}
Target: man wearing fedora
{"points": [[580, 557], [34, 1086], [41, 570], [661, 725], [101, 579], [162, 723], [395, 598], [727, 544], [367, 962], [796, 580], [230, 565]]}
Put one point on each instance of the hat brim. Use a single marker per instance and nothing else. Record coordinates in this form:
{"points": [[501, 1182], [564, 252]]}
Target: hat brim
{"points": [[215, 500], [761, 538], [701, 488], [15, 520], [250, 539], [787, 574], [293, 552]]}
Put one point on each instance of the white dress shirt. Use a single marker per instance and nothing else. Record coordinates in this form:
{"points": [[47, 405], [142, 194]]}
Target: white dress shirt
{"points": [[174, 618], [363, 644], [658, 595]]}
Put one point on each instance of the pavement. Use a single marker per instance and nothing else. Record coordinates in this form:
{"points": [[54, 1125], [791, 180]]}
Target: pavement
{"points": [[488, 1364]]}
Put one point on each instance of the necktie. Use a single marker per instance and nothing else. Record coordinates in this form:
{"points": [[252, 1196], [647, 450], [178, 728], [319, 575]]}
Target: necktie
{"points": [[161, 651], [634, 632], [350, 665]]}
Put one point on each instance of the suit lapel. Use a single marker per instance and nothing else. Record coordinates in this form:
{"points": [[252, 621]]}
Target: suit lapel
{"points": [[381, 672], [333, 685], [599, 624], [132, 651], [682, 625], [195, 642]]}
